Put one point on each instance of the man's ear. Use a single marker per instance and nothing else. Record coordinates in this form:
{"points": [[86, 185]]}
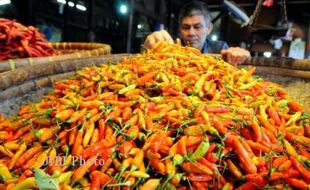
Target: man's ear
{"points": [[209, 28]]}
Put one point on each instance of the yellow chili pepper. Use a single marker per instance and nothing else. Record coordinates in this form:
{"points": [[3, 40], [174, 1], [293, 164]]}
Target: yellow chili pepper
{"points": [[150, 184], [40, 160], [28, 183], [12, 145], [139, 174], [14, 159], [127, 89], [294, 118], [137, 160], [6, 151], [289, 148], [4, 172], [88, 134]]}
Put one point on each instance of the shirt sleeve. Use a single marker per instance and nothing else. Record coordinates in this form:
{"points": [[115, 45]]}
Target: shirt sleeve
{"points": [[218, 46], [214, 46], [225, 45]]}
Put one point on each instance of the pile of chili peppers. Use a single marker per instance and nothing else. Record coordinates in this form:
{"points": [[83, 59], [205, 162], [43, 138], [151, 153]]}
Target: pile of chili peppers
{"points": [[19, 41], [170, 118]]}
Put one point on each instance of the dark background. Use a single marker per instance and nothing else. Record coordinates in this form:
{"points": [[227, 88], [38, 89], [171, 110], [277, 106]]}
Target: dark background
{"points": [[60, 22]]}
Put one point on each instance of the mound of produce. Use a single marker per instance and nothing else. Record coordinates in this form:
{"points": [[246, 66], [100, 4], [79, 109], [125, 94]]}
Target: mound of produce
{"points": [[170, 118], [19, 41]]}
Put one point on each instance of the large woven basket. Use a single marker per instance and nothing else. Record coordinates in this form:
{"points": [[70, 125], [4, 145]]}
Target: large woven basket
{"points": [[65, 51], [81, 47], [293, 75], [28, 84], [281, 66]]}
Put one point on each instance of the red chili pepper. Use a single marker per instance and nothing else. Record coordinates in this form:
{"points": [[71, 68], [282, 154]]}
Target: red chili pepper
{"points": [[207, 163], [21, 41], [24, 175], [298, 183], [199, 177], [295, 106], [299, 166], [158, 166], [214, 109], [250, 185], [257, 131], [219, 127], [242, 154], [305, 153]]}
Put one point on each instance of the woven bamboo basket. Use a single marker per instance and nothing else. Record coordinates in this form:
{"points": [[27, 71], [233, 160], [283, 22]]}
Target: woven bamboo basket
{"points": [[282, 66], [28, 84], [293, 75], [80, 47], [65, 51]]}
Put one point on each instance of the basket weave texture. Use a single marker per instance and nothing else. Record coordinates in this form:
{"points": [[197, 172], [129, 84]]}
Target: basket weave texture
{"points": [[65, 51]]}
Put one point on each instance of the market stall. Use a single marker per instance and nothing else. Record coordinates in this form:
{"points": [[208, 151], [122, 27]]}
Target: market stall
{"points": [[74, 115]]}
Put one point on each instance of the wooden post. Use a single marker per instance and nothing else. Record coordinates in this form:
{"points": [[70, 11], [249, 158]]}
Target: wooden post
{"points": [[308, 43], [130, 23]]}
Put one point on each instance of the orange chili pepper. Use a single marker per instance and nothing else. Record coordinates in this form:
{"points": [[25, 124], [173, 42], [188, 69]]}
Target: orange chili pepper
{"points": [[242, 154], [257, 131], [233, 168], [77, 142], [94, 137], [72, 136], [82, 169], [27, 155], [64, 115], [266, 124], [77, 115], [274, 115], [127, 113]]}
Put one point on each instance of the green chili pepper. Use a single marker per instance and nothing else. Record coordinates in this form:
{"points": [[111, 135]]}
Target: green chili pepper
{"points": [[248, 85], [201, 150], [282, 103]]}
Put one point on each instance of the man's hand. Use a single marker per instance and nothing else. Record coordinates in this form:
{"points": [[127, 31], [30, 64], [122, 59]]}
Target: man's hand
{"points": [[236, 55], [157, 36]]}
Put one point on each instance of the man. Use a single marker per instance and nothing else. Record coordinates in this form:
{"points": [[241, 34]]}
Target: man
{"points": [[194, 26]]}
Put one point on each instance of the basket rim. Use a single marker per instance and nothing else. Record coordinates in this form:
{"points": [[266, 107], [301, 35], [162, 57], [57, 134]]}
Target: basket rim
{"points": [[102, 49]]}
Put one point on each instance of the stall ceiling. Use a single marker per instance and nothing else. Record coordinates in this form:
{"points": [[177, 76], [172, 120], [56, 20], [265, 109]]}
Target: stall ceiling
{"points": [[103, 18]]}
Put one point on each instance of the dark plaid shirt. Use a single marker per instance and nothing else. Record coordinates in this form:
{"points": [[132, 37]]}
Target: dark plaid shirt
{"points": [[213, 46]]}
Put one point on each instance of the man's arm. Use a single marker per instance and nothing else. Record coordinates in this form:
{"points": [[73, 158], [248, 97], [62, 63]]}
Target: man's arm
{"points": [[157, 36], [236, 55], [233, 55]]}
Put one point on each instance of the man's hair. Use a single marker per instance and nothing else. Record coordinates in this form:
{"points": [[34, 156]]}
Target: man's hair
{"points": [[195, 8]]}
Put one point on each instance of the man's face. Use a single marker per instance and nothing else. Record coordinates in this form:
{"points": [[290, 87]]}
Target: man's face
{"points": [[194, 31]]}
